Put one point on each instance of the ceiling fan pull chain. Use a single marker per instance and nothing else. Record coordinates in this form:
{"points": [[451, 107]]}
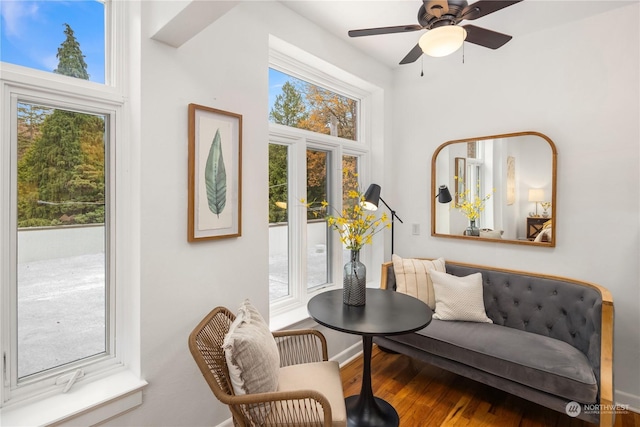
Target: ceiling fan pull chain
{"points": [[422, 67]]}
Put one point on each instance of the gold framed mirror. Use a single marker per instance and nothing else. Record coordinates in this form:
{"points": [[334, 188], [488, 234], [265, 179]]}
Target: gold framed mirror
{"points": [[503, 189]]}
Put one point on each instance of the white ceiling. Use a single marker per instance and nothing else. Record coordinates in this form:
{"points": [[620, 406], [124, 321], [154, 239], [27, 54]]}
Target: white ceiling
{"points": [[522, 18]]}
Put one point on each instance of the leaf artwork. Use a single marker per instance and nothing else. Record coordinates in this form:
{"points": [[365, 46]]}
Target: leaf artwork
{"points": [[215, 177]]}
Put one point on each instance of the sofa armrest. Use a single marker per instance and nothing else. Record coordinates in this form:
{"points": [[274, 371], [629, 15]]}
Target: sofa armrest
{"points": [[606, 358], [385, 275]]}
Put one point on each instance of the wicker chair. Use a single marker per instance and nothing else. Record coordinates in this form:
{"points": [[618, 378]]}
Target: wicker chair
{"points": [[300, 406]]}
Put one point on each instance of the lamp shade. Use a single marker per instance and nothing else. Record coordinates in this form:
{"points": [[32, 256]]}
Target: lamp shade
{"points": [[442, 41], [371, 197], [536, 195], [444, 195]]}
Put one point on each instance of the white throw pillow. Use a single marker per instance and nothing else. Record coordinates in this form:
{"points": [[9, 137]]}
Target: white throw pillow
{"points": [[412, 277], [251, 352], [459, 298]]}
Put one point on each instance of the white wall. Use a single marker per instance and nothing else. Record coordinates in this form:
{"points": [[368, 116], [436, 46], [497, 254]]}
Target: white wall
{"points": [[225, 67], [579, 85]]}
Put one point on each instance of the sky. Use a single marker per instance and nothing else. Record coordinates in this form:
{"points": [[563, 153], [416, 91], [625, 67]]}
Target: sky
{"points": [[32, 31], [276, 80]]}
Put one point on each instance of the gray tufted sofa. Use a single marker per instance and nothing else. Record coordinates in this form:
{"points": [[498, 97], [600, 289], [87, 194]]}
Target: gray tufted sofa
{"points": [[551, 341]]}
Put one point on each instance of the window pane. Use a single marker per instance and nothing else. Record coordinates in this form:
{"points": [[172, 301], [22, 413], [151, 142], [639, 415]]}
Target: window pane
{"points": [[317, 230], [278, 222], [302, 105], [61, 279], [63, 37], [349, 182]]}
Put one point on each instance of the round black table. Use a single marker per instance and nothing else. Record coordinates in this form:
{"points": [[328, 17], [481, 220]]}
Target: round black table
{"points": [[385, 313]]}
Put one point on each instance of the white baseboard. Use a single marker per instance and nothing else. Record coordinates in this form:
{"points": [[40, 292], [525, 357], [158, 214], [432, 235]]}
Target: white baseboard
{"points": [[226, 423], [348, 354], [632, 400]]}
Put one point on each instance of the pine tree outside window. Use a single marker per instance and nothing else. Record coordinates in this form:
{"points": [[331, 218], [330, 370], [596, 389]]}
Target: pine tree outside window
{"points": [[67, 38]]}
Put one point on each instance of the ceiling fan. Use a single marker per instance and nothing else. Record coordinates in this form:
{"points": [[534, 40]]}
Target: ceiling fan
{"points": [[441, 19]]}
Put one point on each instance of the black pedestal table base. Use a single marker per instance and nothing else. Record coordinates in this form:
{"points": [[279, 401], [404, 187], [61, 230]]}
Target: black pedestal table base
{"points": [[385, 313], [366, 409]]}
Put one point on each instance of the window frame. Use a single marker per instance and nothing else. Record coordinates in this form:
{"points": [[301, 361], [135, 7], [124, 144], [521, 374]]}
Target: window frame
{"points": [[46, 380], [111, 380], [299, 140]]}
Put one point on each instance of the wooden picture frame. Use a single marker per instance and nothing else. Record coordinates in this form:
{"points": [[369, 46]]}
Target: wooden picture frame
{"points": [[215, 174], [460, 178]]}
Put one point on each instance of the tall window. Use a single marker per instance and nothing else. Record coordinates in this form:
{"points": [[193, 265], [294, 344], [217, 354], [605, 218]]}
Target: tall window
{"points": [[278, 222], [61, 284], [59, 181], [314, 138]]}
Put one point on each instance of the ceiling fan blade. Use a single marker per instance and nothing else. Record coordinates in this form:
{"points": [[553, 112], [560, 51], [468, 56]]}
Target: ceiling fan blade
{"points": [[484, 37], [412, 56], [384, 30], [484, 7]]}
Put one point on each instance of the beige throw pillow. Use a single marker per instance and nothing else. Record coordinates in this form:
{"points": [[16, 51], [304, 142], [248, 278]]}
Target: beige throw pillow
{"points": [[412, 277], [459, 298], [251, 352]]}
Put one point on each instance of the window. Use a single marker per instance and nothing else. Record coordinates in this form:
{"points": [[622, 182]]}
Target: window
{"points": [[61, 283], [34, 33], [315, 134], [304, 105], [66, 250]]}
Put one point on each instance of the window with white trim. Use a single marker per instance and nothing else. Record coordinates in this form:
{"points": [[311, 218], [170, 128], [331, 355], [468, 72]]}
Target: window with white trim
{"points": [[64, 246], [316, 133]]}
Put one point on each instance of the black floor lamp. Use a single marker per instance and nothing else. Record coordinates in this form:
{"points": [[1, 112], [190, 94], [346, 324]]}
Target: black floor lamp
{"points": [[371, 200]]}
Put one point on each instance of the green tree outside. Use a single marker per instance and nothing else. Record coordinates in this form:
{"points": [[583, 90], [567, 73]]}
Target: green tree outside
{"points": [[70, 58], [61, 156], [303, 105]]}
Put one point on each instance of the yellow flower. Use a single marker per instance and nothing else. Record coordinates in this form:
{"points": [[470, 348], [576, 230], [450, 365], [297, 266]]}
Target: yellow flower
{"points": [[355, 225], [471, 209]]}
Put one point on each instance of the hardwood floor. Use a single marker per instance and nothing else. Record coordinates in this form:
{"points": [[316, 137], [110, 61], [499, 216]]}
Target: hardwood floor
{"points": [[425, 395]]}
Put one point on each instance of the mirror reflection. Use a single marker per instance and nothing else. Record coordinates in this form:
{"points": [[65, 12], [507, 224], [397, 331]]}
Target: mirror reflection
{"points": [[503, 189]]}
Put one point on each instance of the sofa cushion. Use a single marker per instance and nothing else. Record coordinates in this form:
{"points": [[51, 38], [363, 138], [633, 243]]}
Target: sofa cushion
{"points": [[412, 277], [534, 360], [459, 298]]}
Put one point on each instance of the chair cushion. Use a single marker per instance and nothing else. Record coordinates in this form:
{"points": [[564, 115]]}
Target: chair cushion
{"points": [[412, 277], [251, 353], [459, 298], [534, 360], [323, 377]]}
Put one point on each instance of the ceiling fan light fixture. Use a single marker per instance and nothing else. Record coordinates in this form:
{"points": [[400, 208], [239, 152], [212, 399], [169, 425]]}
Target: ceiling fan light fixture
{"points": [[442, 41]]}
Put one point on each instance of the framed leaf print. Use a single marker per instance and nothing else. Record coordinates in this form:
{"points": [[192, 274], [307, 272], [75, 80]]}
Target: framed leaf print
{"points": [[215, 171]]}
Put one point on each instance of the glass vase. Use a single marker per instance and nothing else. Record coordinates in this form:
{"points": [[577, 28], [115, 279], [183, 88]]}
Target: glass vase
{"points": [[355, 281], [472, 230]]}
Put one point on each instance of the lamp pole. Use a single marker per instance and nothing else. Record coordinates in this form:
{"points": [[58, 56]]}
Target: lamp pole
{"points": [[393, 215]]}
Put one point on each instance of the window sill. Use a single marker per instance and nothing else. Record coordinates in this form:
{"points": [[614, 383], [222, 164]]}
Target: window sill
{"points": [[299, 316], [85, 404], [296, 316]]}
